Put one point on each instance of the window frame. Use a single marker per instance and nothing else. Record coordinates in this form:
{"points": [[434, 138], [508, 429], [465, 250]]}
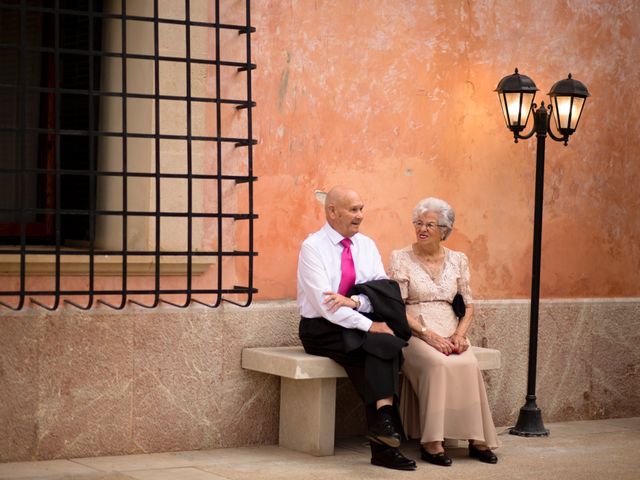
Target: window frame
{"points": [[59, 260]]}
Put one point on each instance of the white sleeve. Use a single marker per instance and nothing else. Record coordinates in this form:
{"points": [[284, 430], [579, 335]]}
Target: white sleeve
{"points": [[378, 267], [377, 272], [314, 281]]}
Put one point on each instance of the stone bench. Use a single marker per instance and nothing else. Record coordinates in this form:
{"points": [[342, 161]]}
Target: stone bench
{"points": [[308, 392]]}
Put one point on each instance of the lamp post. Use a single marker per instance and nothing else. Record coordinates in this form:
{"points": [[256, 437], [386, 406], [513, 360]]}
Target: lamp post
{"points": [[516, 93]]}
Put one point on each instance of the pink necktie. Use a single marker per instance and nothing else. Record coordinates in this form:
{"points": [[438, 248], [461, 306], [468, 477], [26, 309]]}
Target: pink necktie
{"points": [[348, 278]]}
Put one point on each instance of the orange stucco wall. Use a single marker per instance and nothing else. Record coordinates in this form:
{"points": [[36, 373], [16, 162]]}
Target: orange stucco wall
{"points": [[395, 98]]}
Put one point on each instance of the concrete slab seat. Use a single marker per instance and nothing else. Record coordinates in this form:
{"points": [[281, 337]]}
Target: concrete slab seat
{"points": [[308, 392]]}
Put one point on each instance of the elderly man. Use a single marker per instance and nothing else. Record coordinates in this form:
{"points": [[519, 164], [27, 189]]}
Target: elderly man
{"points": [[335, 262]]}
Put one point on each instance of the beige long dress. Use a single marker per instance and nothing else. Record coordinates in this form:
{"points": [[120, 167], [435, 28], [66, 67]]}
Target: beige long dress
{"points": [[445, 395]]}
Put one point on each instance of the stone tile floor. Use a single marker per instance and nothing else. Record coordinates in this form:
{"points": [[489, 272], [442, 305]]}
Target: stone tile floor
{"points": [[599, 449]]}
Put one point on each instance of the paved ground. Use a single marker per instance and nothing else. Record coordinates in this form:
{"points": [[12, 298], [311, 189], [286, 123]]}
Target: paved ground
{"points": [[602, 449]]}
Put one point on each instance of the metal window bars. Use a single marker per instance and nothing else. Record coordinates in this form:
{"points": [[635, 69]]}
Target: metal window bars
{"points": [[219, 226]]}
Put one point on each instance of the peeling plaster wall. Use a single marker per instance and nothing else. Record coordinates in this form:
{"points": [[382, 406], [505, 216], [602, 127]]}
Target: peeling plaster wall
{"points": [[395, 98]]}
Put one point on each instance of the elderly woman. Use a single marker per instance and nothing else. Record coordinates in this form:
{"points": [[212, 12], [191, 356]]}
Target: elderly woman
{"points": [[444, 396]]}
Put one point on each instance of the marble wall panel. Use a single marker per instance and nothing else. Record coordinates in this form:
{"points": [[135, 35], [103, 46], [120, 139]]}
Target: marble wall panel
{"points": [[18, 385], [178, 373], [574, 378], [85, 383], [350, 417], [615, 360], [252, 400], [504, 326], [564, 360]]}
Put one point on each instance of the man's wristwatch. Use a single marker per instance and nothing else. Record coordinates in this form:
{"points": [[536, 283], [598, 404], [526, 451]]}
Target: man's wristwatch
{"points": [[356, 300]]}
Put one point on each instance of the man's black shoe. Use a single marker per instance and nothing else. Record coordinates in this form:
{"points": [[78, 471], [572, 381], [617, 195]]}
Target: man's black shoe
{"points": [[392, 458], [384, 432]]}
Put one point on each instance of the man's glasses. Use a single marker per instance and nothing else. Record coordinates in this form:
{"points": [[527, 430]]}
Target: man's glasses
{"points": [[430, 225]]}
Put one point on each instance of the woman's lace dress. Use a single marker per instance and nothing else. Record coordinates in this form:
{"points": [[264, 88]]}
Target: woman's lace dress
{"points": [[444, 396]]}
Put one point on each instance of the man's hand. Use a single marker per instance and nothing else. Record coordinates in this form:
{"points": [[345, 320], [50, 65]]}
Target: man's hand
{"points": [[380, 327], [334, 301]]}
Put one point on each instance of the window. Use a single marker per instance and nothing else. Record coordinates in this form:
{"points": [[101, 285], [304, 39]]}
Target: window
{"points": [[126, 149]]}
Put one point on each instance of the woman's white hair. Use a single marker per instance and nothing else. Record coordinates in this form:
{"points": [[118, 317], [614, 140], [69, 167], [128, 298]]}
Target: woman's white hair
{"points": [[446, 214]]}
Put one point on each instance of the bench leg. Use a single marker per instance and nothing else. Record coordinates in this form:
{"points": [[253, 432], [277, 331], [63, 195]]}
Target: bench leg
{"points": [[307, 415]]}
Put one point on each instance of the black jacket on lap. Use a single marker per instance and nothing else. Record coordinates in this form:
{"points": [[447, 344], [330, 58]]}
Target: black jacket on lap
{"points": [[388, 307], [319, 336], [387, 304]]}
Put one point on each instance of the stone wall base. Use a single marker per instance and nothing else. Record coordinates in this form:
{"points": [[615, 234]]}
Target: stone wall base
{"points": [[104, 382]]}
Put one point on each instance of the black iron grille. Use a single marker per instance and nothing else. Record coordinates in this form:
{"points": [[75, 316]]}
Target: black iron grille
{"points": [[126, 153]]}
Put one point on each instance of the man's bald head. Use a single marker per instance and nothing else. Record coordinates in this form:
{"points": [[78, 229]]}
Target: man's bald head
{"points": [[343, 209], [338, 195]]}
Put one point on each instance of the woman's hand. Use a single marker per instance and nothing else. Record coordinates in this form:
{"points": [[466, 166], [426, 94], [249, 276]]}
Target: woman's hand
{"points": [[441, 344], [459, 342]]}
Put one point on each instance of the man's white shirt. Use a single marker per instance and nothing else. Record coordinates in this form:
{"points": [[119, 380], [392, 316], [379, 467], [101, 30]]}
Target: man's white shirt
{"points": [[319, 271]]}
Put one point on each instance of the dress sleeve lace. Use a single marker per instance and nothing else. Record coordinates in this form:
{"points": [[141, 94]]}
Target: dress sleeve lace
{"points": [[398, 273], [464, 287]]}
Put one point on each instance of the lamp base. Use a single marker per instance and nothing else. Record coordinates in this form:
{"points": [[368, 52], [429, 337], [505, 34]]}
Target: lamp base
{"points": [[529, 422]]}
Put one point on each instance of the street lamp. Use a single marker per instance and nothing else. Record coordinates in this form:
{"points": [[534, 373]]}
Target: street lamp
{"points": [[516, 93]]}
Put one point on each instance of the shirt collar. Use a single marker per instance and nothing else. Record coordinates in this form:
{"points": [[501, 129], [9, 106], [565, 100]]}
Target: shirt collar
{"points": [[334, 236]]}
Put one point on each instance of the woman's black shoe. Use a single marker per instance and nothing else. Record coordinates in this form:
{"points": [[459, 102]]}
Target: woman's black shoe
{"points": [[486, 456], [440, 458]]}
